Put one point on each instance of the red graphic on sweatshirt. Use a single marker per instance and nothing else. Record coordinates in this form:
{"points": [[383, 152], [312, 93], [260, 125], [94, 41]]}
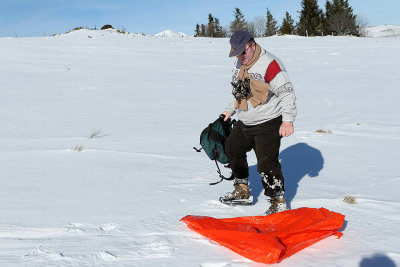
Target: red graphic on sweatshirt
{"points": [[272, 70]]}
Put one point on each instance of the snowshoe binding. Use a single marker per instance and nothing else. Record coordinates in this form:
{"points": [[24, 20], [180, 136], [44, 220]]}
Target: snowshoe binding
{"points": [[240, 196], [277, 204]]}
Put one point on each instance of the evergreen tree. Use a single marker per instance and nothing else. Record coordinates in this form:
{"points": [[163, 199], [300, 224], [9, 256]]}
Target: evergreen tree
{"points": [[219, 30], [239, 23], [203, 30], [213, 28], [287, 26], [271, 25], [197, 31], [340, 19], [210, 26], [311, 18]]}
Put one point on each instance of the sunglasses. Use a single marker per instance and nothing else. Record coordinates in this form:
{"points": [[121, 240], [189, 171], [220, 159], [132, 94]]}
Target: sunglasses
{"points": [[245, 51]]}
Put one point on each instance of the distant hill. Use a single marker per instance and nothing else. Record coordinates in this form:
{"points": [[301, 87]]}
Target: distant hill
{"points": [[383, 31], [169, 33], [91, 33]]}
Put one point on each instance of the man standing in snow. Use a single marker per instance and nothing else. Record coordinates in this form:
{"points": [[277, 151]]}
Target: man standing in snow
{"points": [[264, 101]]}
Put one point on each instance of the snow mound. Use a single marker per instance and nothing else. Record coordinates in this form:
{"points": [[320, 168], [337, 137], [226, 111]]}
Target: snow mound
{"points": [[383, 31], [84, 33], [171, 34]]}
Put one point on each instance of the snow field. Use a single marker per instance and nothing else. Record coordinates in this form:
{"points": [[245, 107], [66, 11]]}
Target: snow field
{"points": [[118, 202]]}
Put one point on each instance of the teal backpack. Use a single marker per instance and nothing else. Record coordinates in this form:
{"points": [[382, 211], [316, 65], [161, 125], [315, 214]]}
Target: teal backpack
{"points": [[212, 141]]}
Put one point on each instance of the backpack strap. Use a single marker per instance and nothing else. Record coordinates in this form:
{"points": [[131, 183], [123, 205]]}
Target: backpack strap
{"points": [[197, 149], [221, 176]]}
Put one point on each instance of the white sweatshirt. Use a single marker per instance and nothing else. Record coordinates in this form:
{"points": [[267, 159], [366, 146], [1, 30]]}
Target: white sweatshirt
{"points": [[281, 98]]}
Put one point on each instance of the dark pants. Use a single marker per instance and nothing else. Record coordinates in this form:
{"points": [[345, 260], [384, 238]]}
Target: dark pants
{"points": [[265, 140]]}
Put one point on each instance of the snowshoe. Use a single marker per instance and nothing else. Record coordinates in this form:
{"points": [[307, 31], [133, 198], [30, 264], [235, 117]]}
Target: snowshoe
{"points": [[240, 196], [277, 204], [228, 200]]}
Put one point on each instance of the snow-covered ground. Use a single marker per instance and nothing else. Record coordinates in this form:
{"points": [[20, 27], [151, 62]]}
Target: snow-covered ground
{"points": [[118, 201]]}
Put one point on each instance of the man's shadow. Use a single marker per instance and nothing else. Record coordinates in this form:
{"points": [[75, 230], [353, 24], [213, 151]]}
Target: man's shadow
{"points": [[297, 161], [377, 260]]}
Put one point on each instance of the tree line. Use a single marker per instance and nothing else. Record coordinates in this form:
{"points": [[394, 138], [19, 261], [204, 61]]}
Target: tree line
{"points": [[338, 19]]}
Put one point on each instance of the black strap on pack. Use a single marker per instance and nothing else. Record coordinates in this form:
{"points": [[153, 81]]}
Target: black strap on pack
{"points": [[218, 170], [220, 174]]}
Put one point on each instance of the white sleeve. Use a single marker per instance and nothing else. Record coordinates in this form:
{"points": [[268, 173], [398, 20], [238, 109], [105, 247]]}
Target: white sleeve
{"points": [[283, 89]]}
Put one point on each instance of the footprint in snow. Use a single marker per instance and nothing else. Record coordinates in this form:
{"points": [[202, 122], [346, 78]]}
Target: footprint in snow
{"points": [[108, 227]]}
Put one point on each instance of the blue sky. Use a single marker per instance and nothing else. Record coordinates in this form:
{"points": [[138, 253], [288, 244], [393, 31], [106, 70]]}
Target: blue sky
{"points": [[39, 17]]}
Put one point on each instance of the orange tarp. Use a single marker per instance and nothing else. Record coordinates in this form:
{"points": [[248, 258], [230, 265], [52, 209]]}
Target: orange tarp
{"points": [[269, 239]]}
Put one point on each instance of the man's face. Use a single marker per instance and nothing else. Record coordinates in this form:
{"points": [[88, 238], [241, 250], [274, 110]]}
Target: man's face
{"points": [[247, 54]]}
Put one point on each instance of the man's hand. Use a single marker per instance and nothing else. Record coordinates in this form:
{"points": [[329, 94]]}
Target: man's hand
{"points": [[227, 115], [286, 129]]}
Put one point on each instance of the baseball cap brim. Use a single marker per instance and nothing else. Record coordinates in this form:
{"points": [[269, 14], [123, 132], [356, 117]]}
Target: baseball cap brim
{"points": [[237, 51]]}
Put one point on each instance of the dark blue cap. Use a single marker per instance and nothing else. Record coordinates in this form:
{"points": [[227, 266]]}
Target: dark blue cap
{"points": [[238, 42]]}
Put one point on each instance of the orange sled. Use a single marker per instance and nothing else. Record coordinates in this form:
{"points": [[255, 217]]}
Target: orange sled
{"points": [[272, 238]]}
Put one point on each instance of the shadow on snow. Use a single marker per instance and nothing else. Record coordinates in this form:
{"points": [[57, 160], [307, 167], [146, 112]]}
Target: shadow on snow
{"points": [[297, 161], [377, 260]]}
